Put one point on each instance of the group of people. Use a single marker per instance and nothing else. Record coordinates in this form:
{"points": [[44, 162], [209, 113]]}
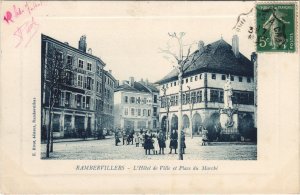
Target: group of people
{"points": [[152, 141]]}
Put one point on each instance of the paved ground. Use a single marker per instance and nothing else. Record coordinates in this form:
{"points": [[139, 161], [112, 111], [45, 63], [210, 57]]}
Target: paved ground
{"points": [[105, 149]]}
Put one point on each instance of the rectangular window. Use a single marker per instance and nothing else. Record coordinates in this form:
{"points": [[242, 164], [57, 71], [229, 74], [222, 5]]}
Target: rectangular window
{"points": [[88, 105], [248, 79], [78, 102], [132, 111], [187, 98], [80, 63], [144, 112], [231, 78], [126, 111], [221, 99], [70, 60], [200, 76], [155, 99], [191, 79], [68, 99], [214, 95], [240, 79], [172, 100], [175, 83], [223, 77], [138, 100], [186, 80], [213, 76], [154, 124], [196, 78], [139, 112], [59, 56], [198, 97], [154, 111], [132, 100], [126, 99], [89, 66], [79, 80], [98, 70], [193, 98], [149, 112], [83, 102], [171, 84], [183, 99]]}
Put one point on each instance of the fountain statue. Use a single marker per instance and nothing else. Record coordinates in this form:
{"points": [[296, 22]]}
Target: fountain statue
{"points": [[228, 114]]}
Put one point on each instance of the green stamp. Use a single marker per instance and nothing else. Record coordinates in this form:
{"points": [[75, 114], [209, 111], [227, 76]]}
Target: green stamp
{"points": [[275, 27]]}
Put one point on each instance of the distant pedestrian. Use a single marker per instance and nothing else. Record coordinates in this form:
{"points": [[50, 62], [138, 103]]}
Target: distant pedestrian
{"points": [[155, 143], [204, 137], [183, 146], [173, 141], [117, 137], [123, 137], [137, 139], [161, 142]]}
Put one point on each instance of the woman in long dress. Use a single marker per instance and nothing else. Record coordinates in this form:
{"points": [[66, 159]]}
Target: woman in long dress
{"points": [[173, 141], [161, 142], [148, 145]]}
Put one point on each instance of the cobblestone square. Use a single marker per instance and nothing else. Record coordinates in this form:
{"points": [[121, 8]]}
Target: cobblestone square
{"points": [[106, 150]]}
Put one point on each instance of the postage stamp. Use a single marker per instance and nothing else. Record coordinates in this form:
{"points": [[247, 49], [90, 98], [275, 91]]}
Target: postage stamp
{"points": [[276, 27]]}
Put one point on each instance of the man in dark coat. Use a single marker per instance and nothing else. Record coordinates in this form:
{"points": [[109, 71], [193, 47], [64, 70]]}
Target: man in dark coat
{"points": [[161, 142], [173, 141]]}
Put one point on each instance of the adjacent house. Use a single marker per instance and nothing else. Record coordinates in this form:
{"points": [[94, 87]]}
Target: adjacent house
{"points": [[136, 105]]}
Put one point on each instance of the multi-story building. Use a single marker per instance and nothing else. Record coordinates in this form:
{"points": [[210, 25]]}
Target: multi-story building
{"points": [[203, 83], [136, 105], [84, 97]]}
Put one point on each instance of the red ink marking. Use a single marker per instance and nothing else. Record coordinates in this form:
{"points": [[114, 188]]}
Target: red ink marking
{"points": [[8, 17], [30, 28], [18, 11]]}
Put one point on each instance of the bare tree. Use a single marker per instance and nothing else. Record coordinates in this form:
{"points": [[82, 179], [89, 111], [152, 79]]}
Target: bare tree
{"points": [[183, 60], [167, 106], [56, 74]]}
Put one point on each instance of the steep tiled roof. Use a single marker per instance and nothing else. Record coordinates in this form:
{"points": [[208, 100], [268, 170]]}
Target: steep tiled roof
{"points": [[138, 87], [216, 57]]}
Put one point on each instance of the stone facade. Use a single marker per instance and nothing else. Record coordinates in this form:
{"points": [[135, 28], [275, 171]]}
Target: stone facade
{"points": [[83, 97], [203, 93], [136, 106]]}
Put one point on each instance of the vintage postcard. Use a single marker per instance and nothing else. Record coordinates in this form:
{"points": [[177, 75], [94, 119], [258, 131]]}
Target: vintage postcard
{"points": [[149, 97]]}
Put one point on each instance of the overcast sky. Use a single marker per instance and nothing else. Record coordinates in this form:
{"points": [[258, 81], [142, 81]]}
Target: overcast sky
{"points": [[130, 45]]}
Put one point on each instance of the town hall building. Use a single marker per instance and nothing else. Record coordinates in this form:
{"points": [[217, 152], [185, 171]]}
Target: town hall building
{"points": [[203, 94]]}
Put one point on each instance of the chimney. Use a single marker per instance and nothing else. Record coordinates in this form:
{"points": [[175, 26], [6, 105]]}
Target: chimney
{"points": [[109, 71], [201, 46], [253, 57], [142, 81], [67, 43], [235, 45], [147, 82], [82, 43], [90, 51], [131, 81]]}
